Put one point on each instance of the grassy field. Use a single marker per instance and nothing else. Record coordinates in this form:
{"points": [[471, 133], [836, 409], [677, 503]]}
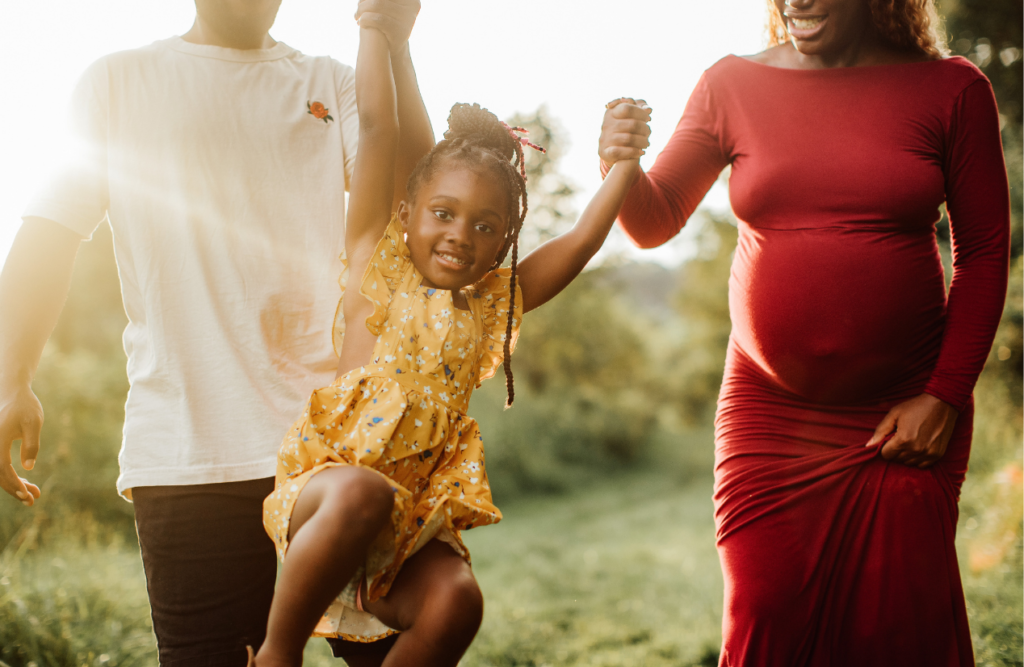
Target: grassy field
{"points": [[624, 574]]}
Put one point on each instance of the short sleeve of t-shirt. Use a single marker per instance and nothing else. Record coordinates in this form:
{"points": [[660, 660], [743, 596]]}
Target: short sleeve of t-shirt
{"points": [[348, 116], [76, 194]]}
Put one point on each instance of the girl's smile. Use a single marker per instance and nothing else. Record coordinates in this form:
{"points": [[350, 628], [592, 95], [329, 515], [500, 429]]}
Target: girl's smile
{"points": [[456, 226]]}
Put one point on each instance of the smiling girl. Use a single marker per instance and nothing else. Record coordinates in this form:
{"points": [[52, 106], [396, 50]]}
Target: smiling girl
{"points": [[384, 470]]}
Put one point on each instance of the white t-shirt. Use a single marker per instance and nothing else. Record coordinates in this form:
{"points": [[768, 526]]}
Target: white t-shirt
{"points": [[224, 184]]}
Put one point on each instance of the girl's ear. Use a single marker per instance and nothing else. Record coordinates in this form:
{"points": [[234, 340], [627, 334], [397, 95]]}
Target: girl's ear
{"points": [[403, 213]]}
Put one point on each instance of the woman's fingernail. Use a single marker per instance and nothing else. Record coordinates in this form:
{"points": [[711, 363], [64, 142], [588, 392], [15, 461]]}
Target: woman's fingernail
{"points": [[26, 503], [20, 494], [29, 464]]}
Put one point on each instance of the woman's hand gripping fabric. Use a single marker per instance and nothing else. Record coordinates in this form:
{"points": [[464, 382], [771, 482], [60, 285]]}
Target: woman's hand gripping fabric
{"points": [[920, 430]]}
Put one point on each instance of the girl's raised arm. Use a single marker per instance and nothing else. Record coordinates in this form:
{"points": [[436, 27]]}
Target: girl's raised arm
{"points": [[372, 187], [373, 179], [550, 268]]}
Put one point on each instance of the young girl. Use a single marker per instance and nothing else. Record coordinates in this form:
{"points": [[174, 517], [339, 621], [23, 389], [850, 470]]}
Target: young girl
{"points": [[383, 471]]}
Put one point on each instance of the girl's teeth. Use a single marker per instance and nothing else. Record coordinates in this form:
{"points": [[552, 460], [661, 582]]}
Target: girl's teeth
{"points": [[453, 259], [805, 24]]}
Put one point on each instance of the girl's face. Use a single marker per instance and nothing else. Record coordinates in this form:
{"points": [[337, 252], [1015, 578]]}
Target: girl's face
{"points": [[456, 226], [825, 27]]}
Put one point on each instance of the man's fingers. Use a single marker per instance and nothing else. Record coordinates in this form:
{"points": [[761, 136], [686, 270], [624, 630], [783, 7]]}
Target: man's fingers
{"points": [[14, 485], [30, 443], [376, 21], [401, 10]]}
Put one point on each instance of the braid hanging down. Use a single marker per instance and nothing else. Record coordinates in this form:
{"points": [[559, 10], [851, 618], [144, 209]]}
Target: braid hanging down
{"points": [[477, 137]]}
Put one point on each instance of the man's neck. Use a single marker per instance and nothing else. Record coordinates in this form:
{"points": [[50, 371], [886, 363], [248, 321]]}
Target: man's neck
{"points": [[204, 33]]}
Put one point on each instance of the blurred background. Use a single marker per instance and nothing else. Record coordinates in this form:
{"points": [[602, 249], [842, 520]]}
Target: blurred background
{"points": [[603, 469]]}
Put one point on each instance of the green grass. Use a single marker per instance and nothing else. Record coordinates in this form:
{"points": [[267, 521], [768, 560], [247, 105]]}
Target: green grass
{"points": [[624, 573], [72, 603]]}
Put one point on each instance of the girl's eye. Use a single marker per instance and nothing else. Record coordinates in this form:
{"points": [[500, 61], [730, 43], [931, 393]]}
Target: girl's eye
{"points": [[443, 215], [485, 228]]}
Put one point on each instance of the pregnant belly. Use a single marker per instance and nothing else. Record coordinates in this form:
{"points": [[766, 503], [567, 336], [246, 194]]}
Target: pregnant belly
{"points": [[838, 315]]}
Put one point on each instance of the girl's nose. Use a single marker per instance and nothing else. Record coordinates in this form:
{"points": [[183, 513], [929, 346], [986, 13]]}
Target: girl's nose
{"points": [[459, 234]]}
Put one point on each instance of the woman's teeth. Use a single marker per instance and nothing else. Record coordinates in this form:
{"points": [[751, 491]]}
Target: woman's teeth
{"points": [[806, 24], [453, 260]]}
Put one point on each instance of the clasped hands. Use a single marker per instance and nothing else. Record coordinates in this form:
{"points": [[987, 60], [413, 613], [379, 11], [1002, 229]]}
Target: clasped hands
{"points": [[625, 133], [394, 18]]}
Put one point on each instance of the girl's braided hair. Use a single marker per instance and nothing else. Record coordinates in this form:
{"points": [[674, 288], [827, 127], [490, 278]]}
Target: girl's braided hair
{"points": [[477, 138]]}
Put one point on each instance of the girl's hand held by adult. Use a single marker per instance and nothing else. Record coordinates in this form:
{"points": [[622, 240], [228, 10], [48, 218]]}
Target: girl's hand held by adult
{"points": [[625, 132], [21, 418], [920, 429], [394, 18]]}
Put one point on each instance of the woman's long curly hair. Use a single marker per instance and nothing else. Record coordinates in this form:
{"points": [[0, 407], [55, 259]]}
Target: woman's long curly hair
{"points": [[908, 25], [476, 138]]}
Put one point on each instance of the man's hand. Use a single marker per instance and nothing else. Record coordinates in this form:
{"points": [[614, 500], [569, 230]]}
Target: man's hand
{"points": [[21, 418], [920, 428], [624, 131], [394, 18]]}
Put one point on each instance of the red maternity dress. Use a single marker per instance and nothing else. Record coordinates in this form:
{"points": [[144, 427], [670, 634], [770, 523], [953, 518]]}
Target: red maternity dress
{"points": [[831, 555]]}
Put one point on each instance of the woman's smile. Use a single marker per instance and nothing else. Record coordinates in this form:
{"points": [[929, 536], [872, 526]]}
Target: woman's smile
{"points": [[805, 27]]}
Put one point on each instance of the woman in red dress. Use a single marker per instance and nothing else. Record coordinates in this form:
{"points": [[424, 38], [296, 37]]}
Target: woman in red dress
{"points": [[844, 419]]}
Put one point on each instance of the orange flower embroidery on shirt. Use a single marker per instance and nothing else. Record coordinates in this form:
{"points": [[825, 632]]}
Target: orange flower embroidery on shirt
{"points": [[319, 111]]}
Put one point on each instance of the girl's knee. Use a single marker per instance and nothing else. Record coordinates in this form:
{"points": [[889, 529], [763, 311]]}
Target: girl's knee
{"points": [[361, 494], [462, 603]]}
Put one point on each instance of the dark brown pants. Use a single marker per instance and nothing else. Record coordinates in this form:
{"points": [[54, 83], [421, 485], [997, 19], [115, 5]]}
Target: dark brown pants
{"points": [[210, 569]]}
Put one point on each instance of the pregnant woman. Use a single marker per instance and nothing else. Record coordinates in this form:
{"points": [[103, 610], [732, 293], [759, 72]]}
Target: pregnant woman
{"points": [[845, 415]]}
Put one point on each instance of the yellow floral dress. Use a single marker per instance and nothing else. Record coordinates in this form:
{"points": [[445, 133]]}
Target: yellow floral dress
{"points": [[404, 417]]}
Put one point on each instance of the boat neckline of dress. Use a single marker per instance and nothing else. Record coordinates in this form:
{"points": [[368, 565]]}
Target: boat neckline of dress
{"points": [[844, 69]]}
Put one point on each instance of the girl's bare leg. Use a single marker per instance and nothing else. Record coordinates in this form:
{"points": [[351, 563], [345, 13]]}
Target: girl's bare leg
{"points": [[338, 514], [436, 603]]}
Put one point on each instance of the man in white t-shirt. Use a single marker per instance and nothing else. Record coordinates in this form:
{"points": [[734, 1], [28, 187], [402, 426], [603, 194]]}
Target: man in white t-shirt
{"points": [[220, 159]]}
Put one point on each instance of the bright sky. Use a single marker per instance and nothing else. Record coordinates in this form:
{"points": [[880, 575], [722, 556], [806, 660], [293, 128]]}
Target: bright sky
{"points": [[573, 55]]}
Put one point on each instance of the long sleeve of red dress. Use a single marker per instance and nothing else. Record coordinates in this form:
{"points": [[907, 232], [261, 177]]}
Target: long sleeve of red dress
{"points": [[831, 555], [977, 200]]}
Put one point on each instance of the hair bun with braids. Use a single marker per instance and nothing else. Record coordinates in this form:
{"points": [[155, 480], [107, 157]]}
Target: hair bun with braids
{"points": [[474, 124]]}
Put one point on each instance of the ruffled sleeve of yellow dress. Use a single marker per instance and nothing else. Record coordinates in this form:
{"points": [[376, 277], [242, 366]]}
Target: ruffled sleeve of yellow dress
{"points": [[492, 296], [387, 268]]}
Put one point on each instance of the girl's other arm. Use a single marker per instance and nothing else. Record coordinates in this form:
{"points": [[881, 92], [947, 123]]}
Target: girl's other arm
{"points": [[550, 268]]}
